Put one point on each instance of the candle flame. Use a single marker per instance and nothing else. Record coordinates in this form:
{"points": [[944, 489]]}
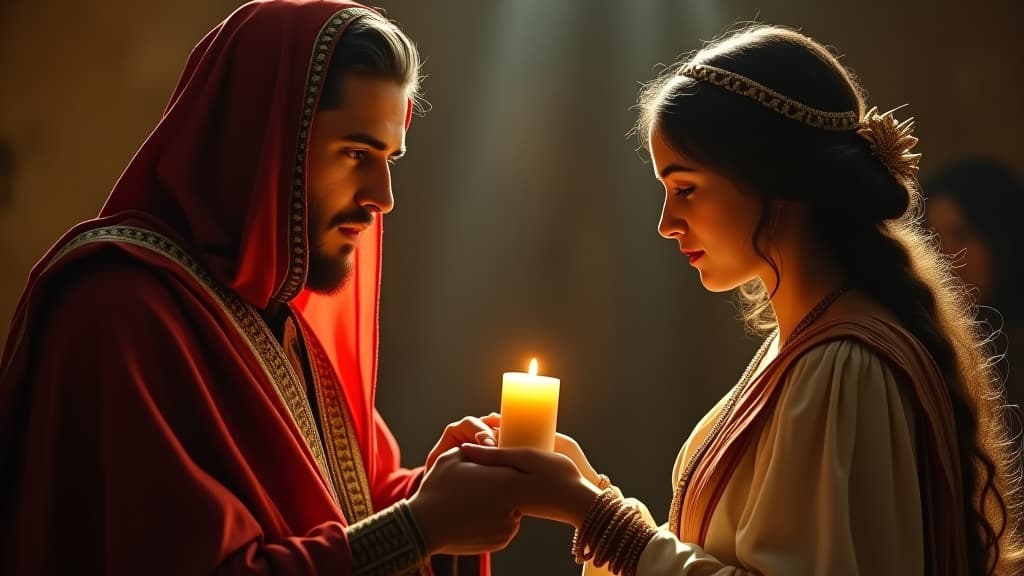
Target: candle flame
{"points": [[533, 367]]}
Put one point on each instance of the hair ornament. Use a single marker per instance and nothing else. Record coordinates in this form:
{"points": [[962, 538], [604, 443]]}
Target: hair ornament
{"points": [[891, 142]]}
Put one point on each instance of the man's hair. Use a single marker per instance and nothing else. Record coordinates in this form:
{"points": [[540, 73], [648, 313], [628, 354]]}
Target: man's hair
{"points": [[372, 46]]}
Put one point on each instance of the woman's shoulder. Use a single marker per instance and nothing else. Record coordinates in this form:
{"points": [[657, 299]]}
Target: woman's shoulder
{"points": [[858, 329], [843, 355]]}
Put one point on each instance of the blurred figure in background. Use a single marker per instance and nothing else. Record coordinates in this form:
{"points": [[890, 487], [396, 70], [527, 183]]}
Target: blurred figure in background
{"points": [[973, 205]]}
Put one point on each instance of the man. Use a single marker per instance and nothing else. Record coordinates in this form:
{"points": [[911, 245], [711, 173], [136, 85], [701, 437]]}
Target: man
{"points": [[188, 384]]}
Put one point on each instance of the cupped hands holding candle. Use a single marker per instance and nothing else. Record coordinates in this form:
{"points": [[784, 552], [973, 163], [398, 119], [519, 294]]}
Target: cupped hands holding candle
{"points": [[555, 480], [516, 459]]}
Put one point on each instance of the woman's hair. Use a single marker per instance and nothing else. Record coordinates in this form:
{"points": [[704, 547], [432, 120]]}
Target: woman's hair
{"points": [[991, 198], [861, 213]]}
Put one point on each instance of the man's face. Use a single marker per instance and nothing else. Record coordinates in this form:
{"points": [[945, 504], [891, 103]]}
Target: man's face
{"points": [[348, 174]]}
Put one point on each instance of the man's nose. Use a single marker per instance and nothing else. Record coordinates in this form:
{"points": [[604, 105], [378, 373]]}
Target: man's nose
{"points": [[375, 194]]}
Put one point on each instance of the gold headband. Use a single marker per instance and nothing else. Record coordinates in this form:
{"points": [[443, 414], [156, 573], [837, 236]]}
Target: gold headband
{"points": [[788, 107], [890, 140]]}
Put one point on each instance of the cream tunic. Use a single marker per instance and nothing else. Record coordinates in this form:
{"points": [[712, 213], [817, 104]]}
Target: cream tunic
{"points": [[831, 487]]}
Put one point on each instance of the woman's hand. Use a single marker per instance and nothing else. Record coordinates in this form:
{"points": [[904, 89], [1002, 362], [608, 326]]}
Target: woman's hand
{"points": [[563, 445], [469, 429], [567, 445], [462, 507], [545, 484]]}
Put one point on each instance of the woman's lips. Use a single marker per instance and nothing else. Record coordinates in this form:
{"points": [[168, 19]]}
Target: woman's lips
{"points": [[693, 255]]}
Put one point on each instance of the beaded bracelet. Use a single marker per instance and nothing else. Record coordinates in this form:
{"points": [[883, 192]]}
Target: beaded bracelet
{"points": [[603, 506], [613, 533], [605, 546]]}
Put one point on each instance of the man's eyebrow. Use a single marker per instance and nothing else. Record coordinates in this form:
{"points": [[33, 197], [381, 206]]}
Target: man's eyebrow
{"points": [[364, 138]]}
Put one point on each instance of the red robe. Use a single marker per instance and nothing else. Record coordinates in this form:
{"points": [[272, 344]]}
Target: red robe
{"points": [[150, 423]]}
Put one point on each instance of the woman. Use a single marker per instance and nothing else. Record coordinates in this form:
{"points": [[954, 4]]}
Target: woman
{"points": [[974, 206], [863, 438]]}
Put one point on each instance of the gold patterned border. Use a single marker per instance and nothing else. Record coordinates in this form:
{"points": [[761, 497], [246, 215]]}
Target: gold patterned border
{"points": [[244, 317], [775, 101], [388, 544], [341, 443], [298, 243]]}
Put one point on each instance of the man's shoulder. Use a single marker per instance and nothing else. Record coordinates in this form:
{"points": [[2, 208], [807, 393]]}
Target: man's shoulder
{"points": [[108, 281]]}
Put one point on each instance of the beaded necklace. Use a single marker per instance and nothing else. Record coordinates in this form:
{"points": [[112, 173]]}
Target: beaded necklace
{"points": [[675, 515]]}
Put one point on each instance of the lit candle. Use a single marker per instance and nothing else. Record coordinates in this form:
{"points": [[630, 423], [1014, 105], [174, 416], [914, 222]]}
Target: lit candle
{"points": [[529, 410]]}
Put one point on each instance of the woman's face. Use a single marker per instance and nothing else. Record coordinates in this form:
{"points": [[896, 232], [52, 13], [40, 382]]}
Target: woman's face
{"points": [[974, 261], [709, 216]]}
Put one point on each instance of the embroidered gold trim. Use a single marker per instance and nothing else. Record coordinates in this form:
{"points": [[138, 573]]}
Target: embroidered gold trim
{"points": [[246, 320], [298, 243], [387, 544], [775, 101], [342, 444], [890, 140]]}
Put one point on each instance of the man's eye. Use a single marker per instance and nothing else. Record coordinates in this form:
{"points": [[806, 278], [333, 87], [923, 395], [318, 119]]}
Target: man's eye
{"points": [[685, 192], [355, 154]]}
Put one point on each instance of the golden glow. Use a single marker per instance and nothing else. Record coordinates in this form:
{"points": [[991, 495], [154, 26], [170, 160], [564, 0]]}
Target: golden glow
{"points": [[533, 367]]}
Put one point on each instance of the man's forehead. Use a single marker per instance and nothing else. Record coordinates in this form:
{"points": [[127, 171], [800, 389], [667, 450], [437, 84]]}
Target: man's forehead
{"points": [[382, 94], [374, 106]]}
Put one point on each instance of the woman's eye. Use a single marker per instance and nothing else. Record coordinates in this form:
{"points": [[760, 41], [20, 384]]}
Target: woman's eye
{"points": [[355, 154], [685, 192]]}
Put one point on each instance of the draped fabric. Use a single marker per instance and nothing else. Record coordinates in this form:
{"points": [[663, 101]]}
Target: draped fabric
{"points": [[936, 459], [839, 457]]}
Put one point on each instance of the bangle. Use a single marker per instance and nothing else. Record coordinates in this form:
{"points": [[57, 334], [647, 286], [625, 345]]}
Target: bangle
{"points": [[603, 481], [605, 546], [613, 533], [603, 506], [643, 538]]}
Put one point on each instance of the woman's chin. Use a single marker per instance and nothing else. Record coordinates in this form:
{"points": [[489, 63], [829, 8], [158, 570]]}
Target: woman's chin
{"points": [[712, 284]]}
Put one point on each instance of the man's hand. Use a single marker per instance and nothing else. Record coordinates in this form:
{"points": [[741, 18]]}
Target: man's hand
{"points": [[462, 508]]}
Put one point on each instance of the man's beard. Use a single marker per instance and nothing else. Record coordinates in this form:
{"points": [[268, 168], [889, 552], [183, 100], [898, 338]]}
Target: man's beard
{"points": [[329, 272]]}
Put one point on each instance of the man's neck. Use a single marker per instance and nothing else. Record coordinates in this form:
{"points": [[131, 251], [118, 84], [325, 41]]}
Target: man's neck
{"points": [[274, 315]]}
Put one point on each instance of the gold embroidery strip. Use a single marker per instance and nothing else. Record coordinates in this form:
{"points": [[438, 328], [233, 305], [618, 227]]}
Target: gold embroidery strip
{"points": [[342, 444], [387, 544], [245, 319], [298, 264]]}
